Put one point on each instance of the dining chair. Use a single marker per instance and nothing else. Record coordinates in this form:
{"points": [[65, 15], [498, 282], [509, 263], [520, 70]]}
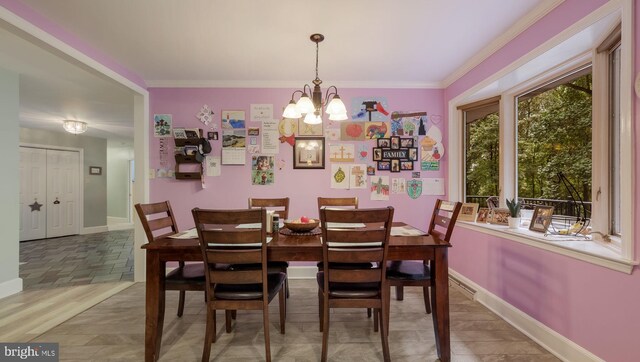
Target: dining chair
{"points": [[343, 287], [233, 289], [410, 273], [281, 207], [342, 203], [158, 222]]}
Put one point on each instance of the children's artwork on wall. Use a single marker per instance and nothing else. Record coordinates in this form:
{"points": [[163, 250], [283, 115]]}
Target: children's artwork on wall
{"points": [[342, 153], [332, 134], [233, 146], [253, 149], [435, 119], [414, 188], [233, 120], [433, 186], [288, 126], [306, 129], [205, 115], [369, 109], [253, 140], [163, 150], [352, 131], [415, 174], [371, 170], [398, 186], [379, 188], [261, 112], [339, 177], [253, 131], [162, 125], [213, 165], [407, 123], [432, 150], [262, 170], [357, 177], [363, 152], [375, 130]]}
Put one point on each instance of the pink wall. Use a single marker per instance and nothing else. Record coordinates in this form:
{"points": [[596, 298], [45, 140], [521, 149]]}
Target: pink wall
{"points": [[595, 307], [233, 187]]}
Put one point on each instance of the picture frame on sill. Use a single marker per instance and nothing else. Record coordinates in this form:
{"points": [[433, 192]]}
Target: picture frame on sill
{"points": [[500, 216], [541, 218], [308, 153], [484, 213], [468, 212]]}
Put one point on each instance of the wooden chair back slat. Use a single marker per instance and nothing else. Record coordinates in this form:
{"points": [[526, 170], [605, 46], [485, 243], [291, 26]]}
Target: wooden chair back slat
{"points": [[236, 236], [222, 256], [443, 219], [235, 276], [355, 276], [352, 255], [341, 202], [358, 235], [157, 220], [279, 205]]}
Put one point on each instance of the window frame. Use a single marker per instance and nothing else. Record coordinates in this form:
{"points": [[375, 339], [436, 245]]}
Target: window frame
{"points": [[623, 259]]}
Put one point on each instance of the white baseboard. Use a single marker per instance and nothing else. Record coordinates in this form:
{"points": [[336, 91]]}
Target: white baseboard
{"points": [[112, 220], [120, 227], [552, 341], [302, 272], [10, 287], [94, 229]]}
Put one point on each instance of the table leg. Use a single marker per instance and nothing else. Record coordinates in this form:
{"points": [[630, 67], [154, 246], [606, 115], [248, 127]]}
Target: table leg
{"points": [[440, 303], [154, 306]]}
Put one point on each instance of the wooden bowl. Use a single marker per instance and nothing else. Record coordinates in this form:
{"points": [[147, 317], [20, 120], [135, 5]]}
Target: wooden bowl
{"points": [[299, 227]]}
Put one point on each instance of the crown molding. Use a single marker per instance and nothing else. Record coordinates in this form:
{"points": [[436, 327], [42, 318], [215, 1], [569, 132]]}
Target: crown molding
{"points": [[531, 18], [285, 84]]}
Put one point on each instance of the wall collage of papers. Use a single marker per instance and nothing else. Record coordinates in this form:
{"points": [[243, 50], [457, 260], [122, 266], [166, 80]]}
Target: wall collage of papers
{"points": [[386, 152]]}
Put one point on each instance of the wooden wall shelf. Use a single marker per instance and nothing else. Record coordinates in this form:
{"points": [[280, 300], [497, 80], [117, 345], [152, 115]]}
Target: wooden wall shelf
{"points": [[184, 159]]}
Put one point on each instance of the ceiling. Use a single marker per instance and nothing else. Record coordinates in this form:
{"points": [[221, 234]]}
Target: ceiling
{"points": [[248, 43]]}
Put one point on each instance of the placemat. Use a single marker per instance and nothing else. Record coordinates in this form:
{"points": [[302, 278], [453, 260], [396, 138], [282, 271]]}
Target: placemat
{"points": [[286, 231]]}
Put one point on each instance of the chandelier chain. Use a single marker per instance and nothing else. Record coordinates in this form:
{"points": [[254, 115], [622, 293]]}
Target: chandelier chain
{"points": [[317, 52]]}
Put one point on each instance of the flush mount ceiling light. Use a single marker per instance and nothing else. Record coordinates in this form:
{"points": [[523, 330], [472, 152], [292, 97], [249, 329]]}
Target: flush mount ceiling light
{"points": [[75, 127], [311, 108]]}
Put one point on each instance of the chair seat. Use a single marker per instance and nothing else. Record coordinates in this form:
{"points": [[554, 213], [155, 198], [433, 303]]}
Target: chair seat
{"points": [[250, 291], [408, 270], [350, 290], [346, 266], [189, 272]]}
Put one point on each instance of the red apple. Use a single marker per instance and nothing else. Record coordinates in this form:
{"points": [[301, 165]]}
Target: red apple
{"points": [[304, 219]]}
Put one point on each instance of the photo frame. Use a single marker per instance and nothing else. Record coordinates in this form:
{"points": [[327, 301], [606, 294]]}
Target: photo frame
{"points": [[468, 212], [377, 153], [500, 216], [413, 154], [95, 170], [541, 218], [308, 153], [406, 165], [384, 142], [384, 165], [406, 142], [483, 214], [395, 142], [395, 165]]}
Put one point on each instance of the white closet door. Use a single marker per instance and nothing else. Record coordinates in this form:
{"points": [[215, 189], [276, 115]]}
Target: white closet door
{"points": [[62, 193], [33, 193]]}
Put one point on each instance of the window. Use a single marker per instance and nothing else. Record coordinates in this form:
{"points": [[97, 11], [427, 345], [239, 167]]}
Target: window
{"points": [[482, 151], [614, 139]]}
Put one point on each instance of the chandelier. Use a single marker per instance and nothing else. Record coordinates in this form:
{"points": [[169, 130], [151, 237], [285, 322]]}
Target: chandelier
{"points": [[75, 127], [311, 107]]}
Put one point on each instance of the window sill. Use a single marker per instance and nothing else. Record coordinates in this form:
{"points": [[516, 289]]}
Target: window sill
{"points": [[593, 252]]}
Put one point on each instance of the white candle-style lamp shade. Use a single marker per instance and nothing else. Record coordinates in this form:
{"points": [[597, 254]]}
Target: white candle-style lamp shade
{"points": [[312, 118], [305, 105], [336, 106], [75, 127], [291, 111], [338, 117]]}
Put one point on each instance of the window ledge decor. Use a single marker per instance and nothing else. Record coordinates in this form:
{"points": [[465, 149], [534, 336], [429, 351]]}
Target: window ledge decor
{"points": [[593, 252]]}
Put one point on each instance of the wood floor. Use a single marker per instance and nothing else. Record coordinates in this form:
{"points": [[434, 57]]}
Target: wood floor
{"points": [[113, 330]]}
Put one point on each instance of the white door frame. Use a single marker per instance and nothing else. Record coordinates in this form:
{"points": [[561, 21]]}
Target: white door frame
{"points": [[80, 175]]}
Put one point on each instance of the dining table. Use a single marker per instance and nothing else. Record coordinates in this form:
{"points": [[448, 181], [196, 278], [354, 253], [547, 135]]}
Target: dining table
{"points": [[303, 248]]}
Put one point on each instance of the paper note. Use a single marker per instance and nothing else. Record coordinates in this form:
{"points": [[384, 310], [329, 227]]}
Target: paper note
{"points": [[270, 135], [433, 186], [406, 231], [261, 112], [213, 165]]}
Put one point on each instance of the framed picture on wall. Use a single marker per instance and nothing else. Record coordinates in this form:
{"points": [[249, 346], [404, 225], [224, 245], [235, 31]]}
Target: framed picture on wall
{"points": [[308, 152]]}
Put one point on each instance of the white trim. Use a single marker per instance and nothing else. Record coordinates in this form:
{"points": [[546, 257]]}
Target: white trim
{"points": [[65, 48], [302, 272], [286, 84], [94, 230], [10, 287], [621, 265], [552, 341], [523, 24], [112, 220]]}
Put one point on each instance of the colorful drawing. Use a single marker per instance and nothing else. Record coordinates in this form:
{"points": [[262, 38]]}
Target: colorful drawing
{"points": [[352, 131], [405, 123], [339, 177], [342, 153], [306, 129], [398, 186], [262, 170], [233, 119], [357, 177], [363, 153], [374, 130], [379, 188], [162, 125], [369, 108], [288, 126], [414, 188]]}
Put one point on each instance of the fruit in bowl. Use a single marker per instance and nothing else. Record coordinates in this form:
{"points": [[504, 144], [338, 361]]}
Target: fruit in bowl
{"points": [[302, 224]]}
